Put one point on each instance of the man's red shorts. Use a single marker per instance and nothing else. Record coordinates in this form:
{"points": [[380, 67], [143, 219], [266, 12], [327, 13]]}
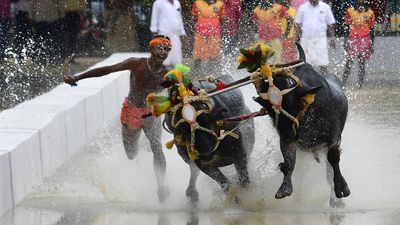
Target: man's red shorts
{"points": [[132, 116]]}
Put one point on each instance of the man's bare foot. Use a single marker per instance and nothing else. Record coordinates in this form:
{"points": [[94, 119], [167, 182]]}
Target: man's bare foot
{"points": [[163, 193]]}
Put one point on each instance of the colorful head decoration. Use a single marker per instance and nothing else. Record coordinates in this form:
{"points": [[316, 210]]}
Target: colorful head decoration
{"points": [[158, 104], [179, 75], [255, 56], [161, 40]]}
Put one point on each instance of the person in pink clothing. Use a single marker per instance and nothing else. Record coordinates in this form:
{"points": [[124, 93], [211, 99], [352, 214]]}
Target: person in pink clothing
{"points": [[233, 12], [5, 19], [360, 39]]}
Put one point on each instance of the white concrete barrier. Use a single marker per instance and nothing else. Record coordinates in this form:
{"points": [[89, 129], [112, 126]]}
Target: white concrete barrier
{"points": [[38, 136]]}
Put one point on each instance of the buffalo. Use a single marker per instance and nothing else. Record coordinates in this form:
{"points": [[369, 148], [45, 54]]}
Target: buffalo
{"points": [[211, 153], [313, 117]]}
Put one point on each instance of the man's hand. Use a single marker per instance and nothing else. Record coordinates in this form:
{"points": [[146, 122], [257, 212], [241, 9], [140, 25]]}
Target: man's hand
{"points": [[71, 80]]}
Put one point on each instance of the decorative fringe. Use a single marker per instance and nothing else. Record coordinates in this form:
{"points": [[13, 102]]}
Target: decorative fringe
{"points": [[192, 153], [306, 101], [253, 57]]}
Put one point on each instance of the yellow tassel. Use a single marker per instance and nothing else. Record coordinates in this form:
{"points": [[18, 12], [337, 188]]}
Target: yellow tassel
{"points": [[265, 49], [266, 70], [183, 91], [306, 101], [309, 98], [192, 153], [179, 140], [170, 144]]}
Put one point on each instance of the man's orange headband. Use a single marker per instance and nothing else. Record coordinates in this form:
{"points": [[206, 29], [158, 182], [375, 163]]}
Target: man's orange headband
{"points": [[160, 41]]}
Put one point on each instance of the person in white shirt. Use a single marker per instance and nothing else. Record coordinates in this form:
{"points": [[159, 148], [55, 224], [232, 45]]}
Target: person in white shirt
{"points": [[315, 22], [166, 19]]}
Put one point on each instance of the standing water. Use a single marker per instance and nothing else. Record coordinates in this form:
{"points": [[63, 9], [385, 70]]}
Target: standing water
{"points": [[100, 186]]}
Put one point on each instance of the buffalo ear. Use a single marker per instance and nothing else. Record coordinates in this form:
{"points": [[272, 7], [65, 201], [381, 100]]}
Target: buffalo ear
{"points": [[217, 113], [260, 101], [305, 89]]}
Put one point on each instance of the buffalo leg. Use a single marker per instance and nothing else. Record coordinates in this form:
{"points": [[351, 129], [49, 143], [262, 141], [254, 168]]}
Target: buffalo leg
{"points": [[333, 201], [289, 155], [340, 186], [216, 175], [191, 190], [243, 173]]}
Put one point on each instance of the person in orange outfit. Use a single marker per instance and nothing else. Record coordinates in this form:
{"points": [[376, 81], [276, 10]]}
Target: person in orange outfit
{"points": [[359, 43], [289, 49], [269, 17], [146, 75], [207, 40]]}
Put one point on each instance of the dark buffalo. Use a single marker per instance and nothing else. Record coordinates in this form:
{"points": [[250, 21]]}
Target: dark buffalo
{"points": [[321, 125], [229, 151]]}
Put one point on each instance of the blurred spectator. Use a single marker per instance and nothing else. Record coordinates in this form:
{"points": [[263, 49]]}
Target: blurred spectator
{"points": [[74, 11], [121, 25], [314, 21], [269, 17], [5, 20], [233, 12], [47, 25], [297, 3], [97, 9], [207, 40], [289, 49], [23, 39], [142, 12], [339, 8], [360, 40], [166, 19]]}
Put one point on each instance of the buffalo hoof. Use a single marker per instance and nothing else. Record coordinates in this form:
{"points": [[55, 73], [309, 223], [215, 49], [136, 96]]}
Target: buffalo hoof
{"points": [[341, 188], [285, 190], [163, 193], [336, 202], [193, 195]]}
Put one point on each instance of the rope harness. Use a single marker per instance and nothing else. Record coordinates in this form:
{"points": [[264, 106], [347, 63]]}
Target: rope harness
{"points": [[274, 96], [190, 118]]}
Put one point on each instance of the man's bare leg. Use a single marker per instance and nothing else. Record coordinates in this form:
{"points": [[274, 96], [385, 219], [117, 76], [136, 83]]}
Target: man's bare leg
{"points": [[130, 139], [152, 130]]}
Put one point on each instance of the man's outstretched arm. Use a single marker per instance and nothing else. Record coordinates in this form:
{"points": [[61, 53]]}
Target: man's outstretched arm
{"points": [[101, 71]]}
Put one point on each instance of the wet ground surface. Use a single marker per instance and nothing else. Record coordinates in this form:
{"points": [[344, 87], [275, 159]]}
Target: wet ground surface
{"points": [[100, 186]]}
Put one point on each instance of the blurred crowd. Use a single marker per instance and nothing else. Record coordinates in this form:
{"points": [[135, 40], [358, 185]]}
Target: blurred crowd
{"points": [[48, 31]]}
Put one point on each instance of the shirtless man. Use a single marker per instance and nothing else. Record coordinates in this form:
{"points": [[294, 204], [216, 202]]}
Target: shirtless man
{"points": [[145, 77]]}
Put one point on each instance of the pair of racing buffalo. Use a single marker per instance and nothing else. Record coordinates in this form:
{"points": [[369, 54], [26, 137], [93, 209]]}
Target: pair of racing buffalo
{"points": [[317, 125]]}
